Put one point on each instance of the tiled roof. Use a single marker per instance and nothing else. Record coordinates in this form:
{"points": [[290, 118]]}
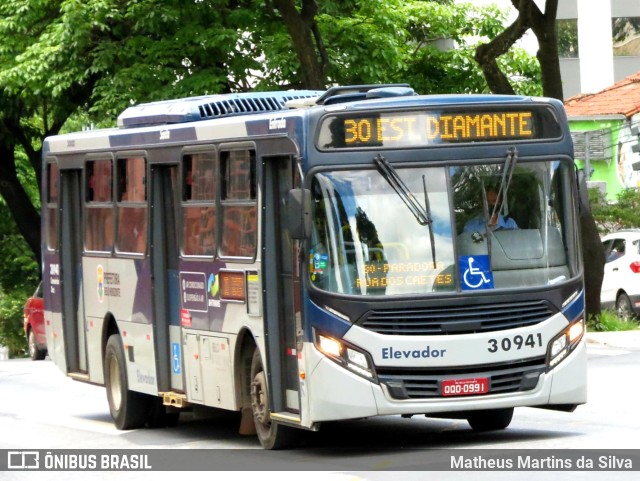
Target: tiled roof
{"points": [[621, 98]]}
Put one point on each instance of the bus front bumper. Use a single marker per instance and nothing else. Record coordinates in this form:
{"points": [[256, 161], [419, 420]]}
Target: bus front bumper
{"points": [[338, 394]]}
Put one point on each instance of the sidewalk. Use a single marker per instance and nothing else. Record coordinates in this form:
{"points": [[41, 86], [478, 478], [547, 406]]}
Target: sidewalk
{"points": [[619, 339]]}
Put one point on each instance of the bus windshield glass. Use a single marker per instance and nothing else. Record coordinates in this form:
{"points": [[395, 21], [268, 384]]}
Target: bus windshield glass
{"points": [[421, 230]]}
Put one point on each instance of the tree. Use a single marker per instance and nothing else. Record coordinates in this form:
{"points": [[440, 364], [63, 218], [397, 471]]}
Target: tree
{"points": [[623, 214], [64, 58], [60, 57], [543, 26]]}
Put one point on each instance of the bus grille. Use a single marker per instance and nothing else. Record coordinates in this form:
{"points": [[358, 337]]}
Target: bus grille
{"points": [[426, 383], [449, 320]]}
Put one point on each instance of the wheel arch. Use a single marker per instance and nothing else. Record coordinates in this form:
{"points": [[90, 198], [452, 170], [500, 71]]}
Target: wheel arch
{"points": [[619, 292], [245, 346], [109, 327]]}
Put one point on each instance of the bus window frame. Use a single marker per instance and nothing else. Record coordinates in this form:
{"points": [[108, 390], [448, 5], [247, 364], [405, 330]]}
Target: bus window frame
{"points": [[215, 203], [52, 205], [87, 205], [118, 203], [251, 202]]}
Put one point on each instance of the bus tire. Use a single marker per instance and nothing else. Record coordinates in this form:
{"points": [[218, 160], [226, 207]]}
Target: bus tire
{"points": [[129, 409], [489, 419], [270, 434]]}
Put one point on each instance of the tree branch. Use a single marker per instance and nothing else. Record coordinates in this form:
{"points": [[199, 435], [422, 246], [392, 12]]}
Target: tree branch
{"points": [[486, 55]]}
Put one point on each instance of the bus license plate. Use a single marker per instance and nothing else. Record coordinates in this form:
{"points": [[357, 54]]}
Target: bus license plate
{"points": [[465, 387]]}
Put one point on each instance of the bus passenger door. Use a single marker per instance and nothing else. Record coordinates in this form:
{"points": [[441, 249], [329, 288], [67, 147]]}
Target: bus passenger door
{"points": [[282, 276], [73, 324], [164, 268]]}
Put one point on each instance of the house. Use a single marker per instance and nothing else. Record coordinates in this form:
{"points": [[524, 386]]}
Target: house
{"points": [[605, 127]]}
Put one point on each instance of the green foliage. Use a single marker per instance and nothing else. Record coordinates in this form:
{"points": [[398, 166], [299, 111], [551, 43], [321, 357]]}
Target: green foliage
{"points": [[428, 44], [11, 330], [623, 214], [84, 61], [19, 278], [609, 321]]}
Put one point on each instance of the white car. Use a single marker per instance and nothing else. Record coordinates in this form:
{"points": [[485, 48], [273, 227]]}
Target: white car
{"points": [[621, 283]]}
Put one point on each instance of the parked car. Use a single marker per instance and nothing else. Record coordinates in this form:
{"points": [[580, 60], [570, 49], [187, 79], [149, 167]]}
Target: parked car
{"points": [[621, 283], [34, 325]]}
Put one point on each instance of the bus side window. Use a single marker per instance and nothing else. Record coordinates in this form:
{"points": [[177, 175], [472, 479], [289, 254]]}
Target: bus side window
{"points": [[132, 206], [239, 203], [98, 228], [52, 206], [199, 189]]}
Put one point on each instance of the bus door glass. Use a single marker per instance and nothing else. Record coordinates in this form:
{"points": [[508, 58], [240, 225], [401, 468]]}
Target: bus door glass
{"points": [[70, 270], [284, 298]]}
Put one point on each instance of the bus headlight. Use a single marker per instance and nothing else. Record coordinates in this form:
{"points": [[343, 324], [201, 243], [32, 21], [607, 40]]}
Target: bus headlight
{"points": [[347, 356], [564, 343]]}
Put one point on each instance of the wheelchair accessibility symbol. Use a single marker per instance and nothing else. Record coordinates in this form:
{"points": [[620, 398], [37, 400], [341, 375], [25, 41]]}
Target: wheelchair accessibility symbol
{"points": [[475, 273]]}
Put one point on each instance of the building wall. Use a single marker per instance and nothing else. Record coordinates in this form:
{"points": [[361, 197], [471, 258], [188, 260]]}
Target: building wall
{"points": [[617, 170], [596, 67]]}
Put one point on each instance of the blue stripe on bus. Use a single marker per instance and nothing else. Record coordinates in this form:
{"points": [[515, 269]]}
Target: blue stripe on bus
{"points": [[326, 322], [575, 309]]}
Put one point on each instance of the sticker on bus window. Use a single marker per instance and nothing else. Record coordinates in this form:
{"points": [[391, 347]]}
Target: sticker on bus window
{"points": [[475, 273], [318, 262]]}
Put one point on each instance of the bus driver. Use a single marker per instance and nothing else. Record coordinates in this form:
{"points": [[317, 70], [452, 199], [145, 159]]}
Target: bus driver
{"points": [[497, 220]]}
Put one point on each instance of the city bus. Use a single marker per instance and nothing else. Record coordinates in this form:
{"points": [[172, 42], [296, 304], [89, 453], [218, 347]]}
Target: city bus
{"points": [[301, 257]]}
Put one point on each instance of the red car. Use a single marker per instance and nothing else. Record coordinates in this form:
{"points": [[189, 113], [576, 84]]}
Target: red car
{"points": [[34, 325]]}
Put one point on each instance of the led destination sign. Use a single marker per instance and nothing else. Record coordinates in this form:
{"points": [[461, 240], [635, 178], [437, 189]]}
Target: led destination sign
{"points": [[412, 129]]}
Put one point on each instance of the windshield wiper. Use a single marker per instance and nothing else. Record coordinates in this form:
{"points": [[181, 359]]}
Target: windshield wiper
{"points": [[427, 206], [422, 214], [394, 180], [507, 172]]}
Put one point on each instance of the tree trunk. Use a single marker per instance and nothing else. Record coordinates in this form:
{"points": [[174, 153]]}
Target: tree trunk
{"points": [[486, 55], [544, 28], [594, 259], [302, 29], [25, 215]]}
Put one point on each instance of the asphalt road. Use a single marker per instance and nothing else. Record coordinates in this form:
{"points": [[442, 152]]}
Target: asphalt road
{"points": [[40, 408]]}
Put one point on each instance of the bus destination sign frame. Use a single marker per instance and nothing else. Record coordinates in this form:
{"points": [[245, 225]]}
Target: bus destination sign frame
{"points": [[402, 129]]}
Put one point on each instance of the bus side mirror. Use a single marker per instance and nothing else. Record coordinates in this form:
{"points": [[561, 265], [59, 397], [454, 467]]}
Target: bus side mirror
{"points": [[299, 213]]}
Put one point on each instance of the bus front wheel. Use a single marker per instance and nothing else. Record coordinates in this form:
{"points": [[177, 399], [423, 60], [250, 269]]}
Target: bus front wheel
{"points": [[489, 419], [270, 434], [128, 408]]}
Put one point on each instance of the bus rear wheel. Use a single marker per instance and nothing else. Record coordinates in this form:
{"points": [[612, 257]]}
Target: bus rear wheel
{"points": [[270, 434], [129, 409], [490, 419]]}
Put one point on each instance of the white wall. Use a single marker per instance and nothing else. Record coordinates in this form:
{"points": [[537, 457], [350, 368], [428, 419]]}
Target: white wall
{"points": [[595, 45]]}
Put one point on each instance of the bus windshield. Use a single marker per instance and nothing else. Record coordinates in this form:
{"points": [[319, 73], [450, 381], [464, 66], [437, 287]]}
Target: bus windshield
{"points": [[447, 229]]}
